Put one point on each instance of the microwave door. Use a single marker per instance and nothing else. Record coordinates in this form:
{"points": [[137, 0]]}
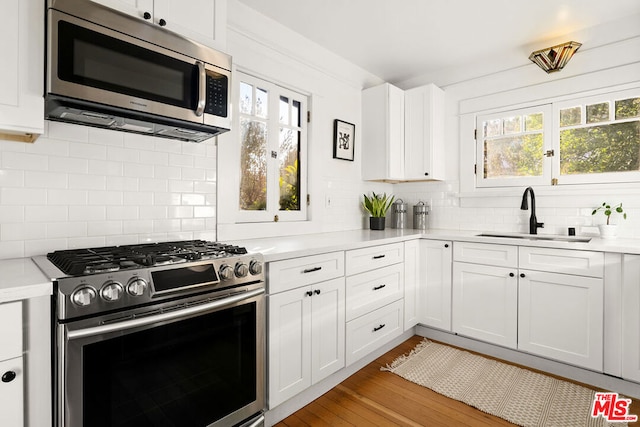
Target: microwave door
{"points": [[95, 64]]}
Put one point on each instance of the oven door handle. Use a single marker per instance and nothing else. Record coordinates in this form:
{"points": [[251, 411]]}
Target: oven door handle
{"points": [[162, 317]]}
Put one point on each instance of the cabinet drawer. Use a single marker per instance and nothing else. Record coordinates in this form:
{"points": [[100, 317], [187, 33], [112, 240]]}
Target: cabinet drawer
{"points": [[367, 259], [373, 330], [486, 253], [11, 330], [374, 289], [567, 261], [293, 273]]}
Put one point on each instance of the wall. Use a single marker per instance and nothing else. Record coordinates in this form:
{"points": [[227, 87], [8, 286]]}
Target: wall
{"points": [[610, 56], [262, 47]]}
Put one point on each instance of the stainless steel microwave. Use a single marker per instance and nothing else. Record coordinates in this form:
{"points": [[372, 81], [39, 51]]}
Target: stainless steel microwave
{"points": [[111, 70]]}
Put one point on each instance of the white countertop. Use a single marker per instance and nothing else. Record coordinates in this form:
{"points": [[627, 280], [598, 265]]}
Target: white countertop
{"points": [[20, 278], [278, 248]]}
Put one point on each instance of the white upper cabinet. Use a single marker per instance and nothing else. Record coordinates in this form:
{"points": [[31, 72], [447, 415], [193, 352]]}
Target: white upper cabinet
{"points": [[383, 133], [21, 73], [201, 20], [403, 133], [424, 133]]}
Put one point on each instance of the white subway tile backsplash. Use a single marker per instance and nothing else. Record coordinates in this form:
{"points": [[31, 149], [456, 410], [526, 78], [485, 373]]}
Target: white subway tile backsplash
{"points": [[23, 196], [81, 187], [68, 165], [12, 178], [24, 161], [87, 213], [68, 132], [67, 197], [87, 151]]}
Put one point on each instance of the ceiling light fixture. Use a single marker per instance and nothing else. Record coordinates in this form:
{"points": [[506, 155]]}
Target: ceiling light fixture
{"points": [[552, 59]]}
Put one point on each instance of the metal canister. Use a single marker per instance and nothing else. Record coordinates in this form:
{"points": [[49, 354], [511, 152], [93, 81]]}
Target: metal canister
{"points": [[421, 216], [399, 217]]}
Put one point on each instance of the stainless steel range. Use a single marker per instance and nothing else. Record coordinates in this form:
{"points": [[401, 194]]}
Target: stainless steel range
{"points": [[162, 334]]}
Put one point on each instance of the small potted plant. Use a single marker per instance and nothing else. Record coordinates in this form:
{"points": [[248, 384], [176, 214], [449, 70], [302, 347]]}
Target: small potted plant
{"points": [[377, 205], [609, 230]]}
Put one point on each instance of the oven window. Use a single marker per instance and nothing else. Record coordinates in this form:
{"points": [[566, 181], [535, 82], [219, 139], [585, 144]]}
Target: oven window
{"points": [[188, 373], [103, 62]]}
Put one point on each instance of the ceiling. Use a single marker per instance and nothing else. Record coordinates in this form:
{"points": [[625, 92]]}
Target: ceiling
{"points": [[402, 40]]}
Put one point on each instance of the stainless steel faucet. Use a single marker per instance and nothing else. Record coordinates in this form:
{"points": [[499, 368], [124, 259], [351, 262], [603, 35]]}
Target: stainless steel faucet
{"points": [[533, 222]]}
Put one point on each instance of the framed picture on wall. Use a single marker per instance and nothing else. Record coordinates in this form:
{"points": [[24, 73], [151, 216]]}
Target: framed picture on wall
{"points": [[344, 139]]}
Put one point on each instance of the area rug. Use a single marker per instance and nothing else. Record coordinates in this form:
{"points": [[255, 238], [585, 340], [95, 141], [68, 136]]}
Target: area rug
{"points": [[517, 395]]}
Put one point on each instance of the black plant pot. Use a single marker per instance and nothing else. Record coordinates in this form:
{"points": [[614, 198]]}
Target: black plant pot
{"points": [[376, 223]]}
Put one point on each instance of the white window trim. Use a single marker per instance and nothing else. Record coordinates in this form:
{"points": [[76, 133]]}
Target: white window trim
{"points": [[469, 158], [481, 182], [265, 216]]}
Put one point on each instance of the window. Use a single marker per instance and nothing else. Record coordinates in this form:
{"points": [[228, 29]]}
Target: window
{"points": [[587, 140], [273, 142]]}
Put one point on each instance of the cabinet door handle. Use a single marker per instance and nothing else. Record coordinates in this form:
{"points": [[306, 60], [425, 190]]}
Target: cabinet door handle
{"points": [[8, 376], [162, 22], [446, 245], [311, 270], [521, 274], [376, 329], [512, 275], [379, 256], [309, 293], [317, 292], [378, 287], [146, 16]]}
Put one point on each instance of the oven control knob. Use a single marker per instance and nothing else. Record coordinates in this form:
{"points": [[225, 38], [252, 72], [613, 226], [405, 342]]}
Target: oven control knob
{"points": [[226, 272], [111, 291], [255, 267], [136, 287], [83, 296], [241, 269]]}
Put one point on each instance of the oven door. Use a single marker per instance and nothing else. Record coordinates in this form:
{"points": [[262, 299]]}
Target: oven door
{"points": [[90, 62], [187, 365]]}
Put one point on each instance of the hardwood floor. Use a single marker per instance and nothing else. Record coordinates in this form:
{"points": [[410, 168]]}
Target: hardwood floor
{"points": [[374, 398]]}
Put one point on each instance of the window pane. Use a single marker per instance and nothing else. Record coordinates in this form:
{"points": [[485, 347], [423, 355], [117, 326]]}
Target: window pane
{"points": [[295, 113], [246, 98], [513, 157], [284, 110], [570, 116], [262, 102], [253, 162], [598, 113], [492, 128], [512, 125], [628, 108], [289, 171], [533, 122], [597, 149]]}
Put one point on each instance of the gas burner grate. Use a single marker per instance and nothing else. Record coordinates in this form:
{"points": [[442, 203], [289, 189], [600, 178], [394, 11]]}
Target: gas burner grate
{"points": [[77, 262]]}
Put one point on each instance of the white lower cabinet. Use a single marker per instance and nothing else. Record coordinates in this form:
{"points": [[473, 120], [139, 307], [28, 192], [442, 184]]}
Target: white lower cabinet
{"points": [[11, 365], [435, 288], [306, 337], [485, 303], [11, 393], [374, 329], [560, 316], [631, 318]]}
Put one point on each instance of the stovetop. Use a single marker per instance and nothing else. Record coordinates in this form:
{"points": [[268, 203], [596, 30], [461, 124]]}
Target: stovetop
{"points": [[78, 262]]}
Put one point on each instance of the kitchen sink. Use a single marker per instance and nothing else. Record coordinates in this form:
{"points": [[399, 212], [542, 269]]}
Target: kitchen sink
{"points": [[537, 237]]}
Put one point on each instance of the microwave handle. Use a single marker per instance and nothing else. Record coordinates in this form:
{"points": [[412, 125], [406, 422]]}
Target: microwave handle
{"points": [[202, 88]]}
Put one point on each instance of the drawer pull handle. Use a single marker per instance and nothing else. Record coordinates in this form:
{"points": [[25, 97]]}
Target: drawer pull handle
{"points": [[522, 275], [317, 292], [309, 293], [379, 256], [378, 287], [311, 270], [378, 328], [511, 275], [8, 376]]}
